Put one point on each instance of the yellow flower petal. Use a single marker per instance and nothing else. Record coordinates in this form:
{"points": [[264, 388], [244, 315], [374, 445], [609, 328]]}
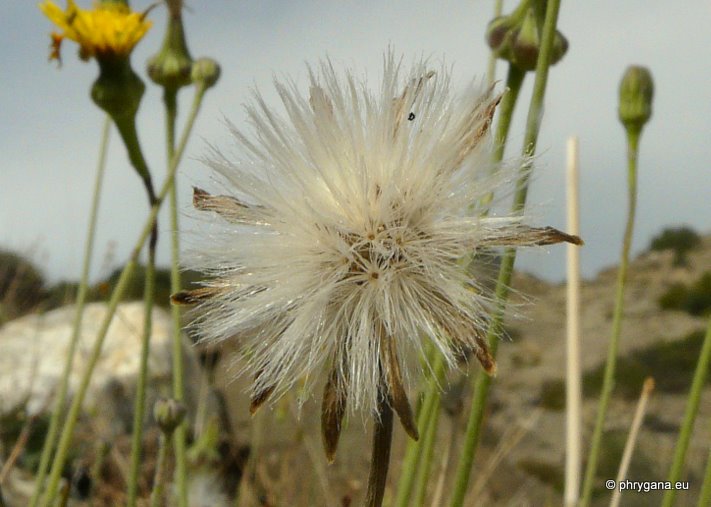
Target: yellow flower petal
{"points": [[106, 30]]}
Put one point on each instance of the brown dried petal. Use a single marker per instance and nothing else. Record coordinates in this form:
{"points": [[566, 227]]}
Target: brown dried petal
{"points": [[194, 296], [260, 397], [478, 126], [230, 208], [530, 236], [483, 355], [404, 102], [319, 101], [333, 409], [398, 395]]}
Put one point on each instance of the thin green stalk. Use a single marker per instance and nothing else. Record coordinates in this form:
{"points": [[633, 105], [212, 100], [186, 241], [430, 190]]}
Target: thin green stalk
{"points": [[692, 408], [75, 408], [491, 67], [427, 444], [482, 383], [159, 476], [127, 128], [72, 416], [413, 452], [609, 378], [514, 82], [171, 113], [52, 432], [705, 495], [64, 495], [139, 410]]}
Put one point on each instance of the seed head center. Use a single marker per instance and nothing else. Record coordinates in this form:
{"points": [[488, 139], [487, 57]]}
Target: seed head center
{"points": [[373, 253]]}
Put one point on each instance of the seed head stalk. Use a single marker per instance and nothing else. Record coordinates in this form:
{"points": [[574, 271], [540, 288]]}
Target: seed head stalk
{"points": [[52, 432], [380, 460], [481, 387], [75, 408], [636, 90], [609, 378]]}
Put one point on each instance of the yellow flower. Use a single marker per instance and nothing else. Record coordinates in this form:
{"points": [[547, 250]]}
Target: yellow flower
{"points": [[110, 29]]}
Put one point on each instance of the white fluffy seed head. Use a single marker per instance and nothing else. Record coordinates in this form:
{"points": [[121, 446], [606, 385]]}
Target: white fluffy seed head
{"points": [[346, 225]]}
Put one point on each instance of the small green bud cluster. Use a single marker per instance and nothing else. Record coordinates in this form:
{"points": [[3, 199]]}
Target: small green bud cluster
{"points": [[173, 67], [205, 71], [516, 37]]}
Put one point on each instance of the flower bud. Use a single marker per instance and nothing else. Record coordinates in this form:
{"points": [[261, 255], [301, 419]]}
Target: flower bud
{"points": [[636, 93], [118, 90], [172, 66], [560, 47], [168, 413], [527, 42], [205, 71], [516, 37], [499, 34]]}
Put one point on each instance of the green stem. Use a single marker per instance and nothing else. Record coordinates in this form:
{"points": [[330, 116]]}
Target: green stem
{"points": [[380, 460], [171, 113], [139, 410], [481, 387], [75, 408], [687, 426], [514, 82], [127, 128], [609, 376], [427, 445], [412, 454], [72, 416], [52, 432], [159, 476], [705, 495], [491, 67]]}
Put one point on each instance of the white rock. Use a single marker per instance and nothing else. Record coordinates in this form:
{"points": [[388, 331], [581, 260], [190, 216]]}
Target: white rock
{"points": [[33, 352], [205, 489]]}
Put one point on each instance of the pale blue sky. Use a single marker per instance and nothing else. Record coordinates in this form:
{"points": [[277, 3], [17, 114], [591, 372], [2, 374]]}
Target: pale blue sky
{"points": [[49, 129]]}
